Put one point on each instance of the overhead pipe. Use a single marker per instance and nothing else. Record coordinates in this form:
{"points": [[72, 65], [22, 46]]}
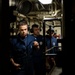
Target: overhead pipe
{"points": [[55, 11]]}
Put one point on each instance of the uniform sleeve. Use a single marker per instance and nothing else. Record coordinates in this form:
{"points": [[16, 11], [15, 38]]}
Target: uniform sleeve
{"points": [[56, 46], [33, 47], [11, 48], [35, 39], [56, 43]]}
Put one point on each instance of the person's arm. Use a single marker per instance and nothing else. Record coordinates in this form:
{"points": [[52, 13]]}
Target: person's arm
{"points": [[16, 65], [13, 62]]}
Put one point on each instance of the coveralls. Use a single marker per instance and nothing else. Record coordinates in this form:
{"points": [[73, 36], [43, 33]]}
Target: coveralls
{"points": [[22, 53]]}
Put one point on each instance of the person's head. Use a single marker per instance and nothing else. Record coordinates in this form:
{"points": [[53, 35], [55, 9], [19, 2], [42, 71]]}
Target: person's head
{"points": [[35, 29], [50, 32], [55, 35], [23, 28]]}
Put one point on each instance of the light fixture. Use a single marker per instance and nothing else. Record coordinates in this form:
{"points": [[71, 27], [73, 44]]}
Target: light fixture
{"points": [[45, 1]]}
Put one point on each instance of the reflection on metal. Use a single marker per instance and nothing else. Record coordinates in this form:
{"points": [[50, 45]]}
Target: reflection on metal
{"points": [[12, 2], [58, 18], [54, 11], [18, 14]]}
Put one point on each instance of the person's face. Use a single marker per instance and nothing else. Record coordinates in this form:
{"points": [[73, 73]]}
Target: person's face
{"points": [[36, 31], [55, 35], [23, 30], [51, 33]]}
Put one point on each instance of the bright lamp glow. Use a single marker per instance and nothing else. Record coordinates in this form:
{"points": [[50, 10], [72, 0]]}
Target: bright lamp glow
{"points": [[45, 1]]}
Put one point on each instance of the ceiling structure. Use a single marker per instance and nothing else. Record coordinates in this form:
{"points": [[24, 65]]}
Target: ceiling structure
{"points": [[39, 10], [48, 10]]}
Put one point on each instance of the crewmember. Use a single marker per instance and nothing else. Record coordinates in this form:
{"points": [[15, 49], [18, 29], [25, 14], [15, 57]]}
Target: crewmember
{"points": [[39, 60], [21, 51]]}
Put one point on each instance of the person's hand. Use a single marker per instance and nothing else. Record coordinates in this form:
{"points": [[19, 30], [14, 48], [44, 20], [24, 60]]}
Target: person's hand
{"points": [[17, 66], [53, 61], [36, 44]]}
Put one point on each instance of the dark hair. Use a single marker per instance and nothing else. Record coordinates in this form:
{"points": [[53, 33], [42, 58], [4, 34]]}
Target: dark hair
{"points": [[50, 31], [22, 22], [35, 25]]}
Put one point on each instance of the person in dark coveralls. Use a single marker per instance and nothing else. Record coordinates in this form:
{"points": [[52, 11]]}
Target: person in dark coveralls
{"points": [[38, 56], [51, 41], [21, 48]]}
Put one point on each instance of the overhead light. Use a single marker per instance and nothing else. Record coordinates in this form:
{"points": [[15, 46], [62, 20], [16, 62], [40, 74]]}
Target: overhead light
{"points": [[45, 1]]}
